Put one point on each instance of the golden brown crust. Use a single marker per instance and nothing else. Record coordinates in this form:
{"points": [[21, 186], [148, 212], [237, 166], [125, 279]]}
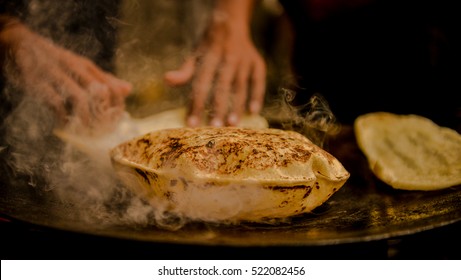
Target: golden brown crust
{"points": [[229, 152], [229, 174]]}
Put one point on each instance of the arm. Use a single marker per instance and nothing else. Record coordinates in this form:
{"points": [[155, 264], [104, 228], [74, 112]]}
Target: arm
{"points": [[226, 65]]}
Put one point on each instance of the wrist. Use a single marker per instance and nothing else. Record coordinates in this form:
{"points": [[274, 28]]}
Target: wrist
{"points": [[8, 21], [224, 23], [233, 15]]}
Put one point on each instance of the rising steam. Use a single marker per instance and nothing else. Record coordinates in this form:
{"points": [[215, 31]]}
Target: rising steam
{"points": [[94, 192], [314, 119], [30, 150]]}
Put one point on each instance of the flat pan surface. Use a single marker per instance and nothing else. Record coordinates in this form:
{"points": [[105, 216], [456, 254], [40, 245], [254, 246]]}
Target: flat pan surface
{"points": [[364, 209]]}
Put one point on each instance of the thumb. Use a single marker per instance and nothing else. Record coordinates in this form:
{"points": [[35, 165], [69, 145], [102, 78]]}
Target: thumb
{"points": [[182, 75]]}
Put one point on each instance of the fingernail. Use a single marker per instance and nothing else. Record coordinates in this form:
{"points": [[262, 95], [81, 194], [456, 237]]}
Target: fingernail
{"points": [[255, 107], [233, 119], [216, 122], [193, 121]]}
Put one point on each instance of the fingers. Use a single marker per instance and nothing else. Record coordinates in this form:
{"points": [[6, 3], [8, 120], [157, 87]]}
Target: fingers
{"points": [[71, 85], [96, 100], [250, 86], [236, 84], [226, 70], [240, 95], [258, 87], [91, 77], [182, 76], [98, 96], [201, 86], [222, 94], [71, 91], [119, 90], [92, 106]]}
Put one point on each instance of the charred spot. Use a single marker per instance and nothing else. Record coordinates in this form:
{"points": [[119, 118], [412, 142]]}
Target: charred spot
{"points": [[303, 208], [175, 144], [153, 176], [210, 144], [317, 186], [283, 204], [232, 148], [335, 189], [278, 188], [168, 195], [173, 183], [184, 182], [308, 191], [146, 155], [284, 188], [285, 162], [209, 185], [143, 175], [145, 141], [301, 154]]}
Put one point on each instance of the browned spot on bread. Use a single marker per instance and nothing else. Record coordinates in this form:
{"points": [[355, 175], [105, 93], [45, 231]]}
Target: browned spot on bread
{"points": [[224, 150]]}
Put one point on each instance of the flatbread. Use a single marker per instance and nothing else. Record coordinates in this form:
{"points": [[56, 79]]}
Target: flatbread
{"points": [[410, 152], [97, 146], [229, 173]]}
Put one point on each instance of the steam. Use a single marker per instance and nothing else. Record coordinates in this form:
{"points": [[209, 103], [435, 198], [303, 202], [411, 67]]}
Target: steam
{"points": [[49, 165], [314, 119], [58, 169], [29, 148]]}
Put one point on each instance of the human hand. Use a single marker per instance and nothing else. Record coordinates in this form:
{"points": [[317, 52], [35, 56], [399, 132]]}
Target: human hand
{"points": [[228, 66], [71, 85]]}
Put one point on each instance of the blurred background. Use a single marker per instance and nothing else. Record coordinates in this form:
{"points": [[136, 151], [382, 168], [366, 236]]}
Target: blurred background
{"points": [[155, 36]]}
